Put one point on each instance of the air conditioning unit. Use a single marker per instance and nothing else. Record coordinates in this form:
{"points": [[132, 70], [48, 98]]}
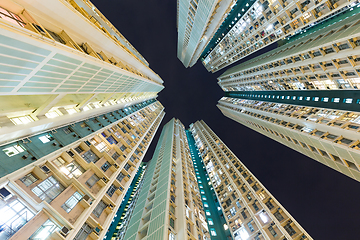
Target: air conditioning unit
{"points": [[104, 179], [64, 231], [111, 206], [115, 165], [45, 169]]}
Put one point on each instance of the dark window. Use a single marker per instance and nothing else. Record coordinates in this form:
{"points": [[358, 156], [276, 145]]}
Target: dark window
{"points": [[92, 181], [272, 231], [269, 205], [278, 216], [99, 209], [115, 156], [289, 229], [90, 156], [105, 166], [111, 190]]}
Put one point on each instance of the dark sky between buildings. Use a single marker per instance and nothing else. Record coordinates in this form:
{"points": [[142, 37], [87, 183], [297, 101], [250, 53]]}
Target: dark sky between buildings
{"points": [[323, 201]]}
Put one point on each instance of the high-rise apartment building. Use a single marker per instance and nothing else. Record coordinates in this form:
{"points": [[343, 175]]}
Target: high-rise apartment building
{"points": [[250, 210], [325, 57], [176, 200], [169, 205], [64, 57], [263, 22], [304, 94], [81, 176], [78, 112], [122, 218], [197, 22]]}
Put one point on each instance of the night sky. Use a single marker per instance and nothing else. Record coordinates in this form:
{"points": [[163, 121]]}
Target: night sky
{"points": [[323, 201]]}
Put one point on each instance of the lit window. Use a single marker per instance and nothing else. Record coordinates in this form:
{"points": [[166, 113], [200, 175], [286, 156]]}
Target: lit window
{"points": [[71, 110], [97, 105], [48, 189], [11, 17], [87, 107], [21, 120], [52, 114], [307, 98], [326, 99], [45, 230], [213, 232], [264, 217], [171, 236], [28, 179], [336, 100], [244, 234], [316, 99], [205, 204], [13, 150], [233, 211], [72, 201], [46, 138], [306, 15], [348, 100], [73, 169], [210, 221], [13, 213], [226, 227], [207, 212]]}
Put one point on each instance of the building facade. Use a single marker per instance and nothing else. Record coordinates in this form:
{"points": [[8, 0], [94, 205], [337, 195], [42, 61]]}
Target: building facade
{"points": [[325, 57], [79, 178], [78, 112], [121, 220], [304, 94], [260, 23], [169, 205], [196, 188], [197, 22], [61, 58], [250, 210]]}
